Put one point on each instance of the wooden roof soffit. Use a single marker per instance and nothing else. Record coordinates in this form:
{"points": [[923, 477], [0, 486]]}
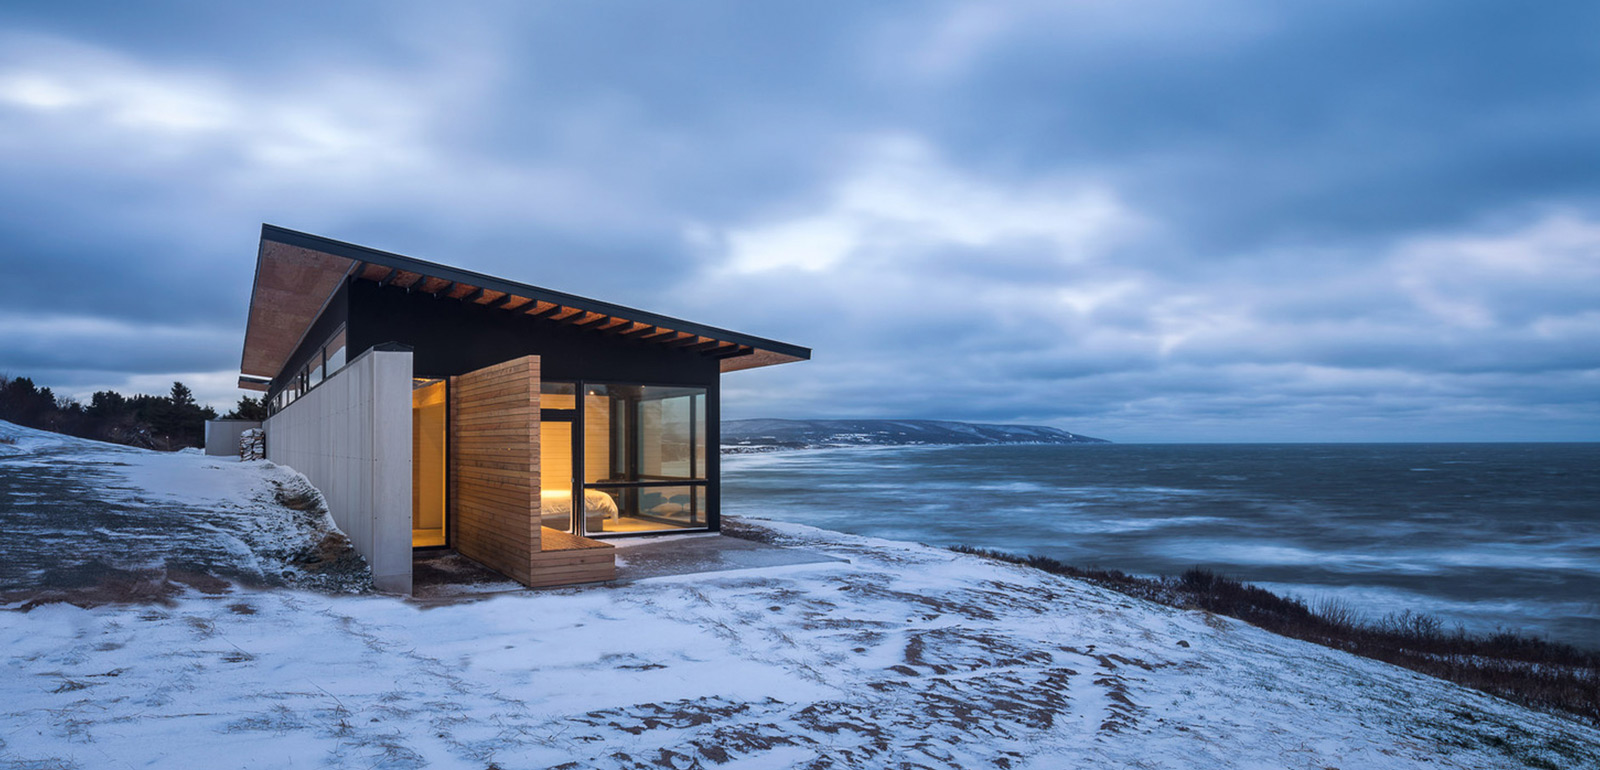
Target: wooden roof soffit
{"points": [[297, 274], [755, 359], [292, 286]]}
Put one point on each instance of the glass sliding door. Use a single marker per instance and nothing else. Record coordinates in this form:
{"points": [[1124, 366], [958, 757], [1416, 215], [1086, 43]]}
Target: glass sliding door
{"points": [[643, 458]]}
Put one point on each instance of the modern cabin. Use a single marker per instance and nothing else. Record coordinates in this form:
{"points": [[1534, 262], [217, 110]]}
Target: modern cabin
{"points": [[436, 407]]}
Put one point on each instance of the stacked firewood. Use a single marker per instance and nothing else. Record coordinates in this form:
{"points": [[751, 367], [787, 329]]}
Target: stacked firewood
{"points": [[253, 444]]}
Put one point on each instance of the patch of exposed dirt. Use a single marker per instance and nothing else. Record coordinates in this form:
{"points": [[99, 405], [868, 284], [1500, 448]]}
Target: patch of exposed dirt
{"points": [[118, 586]]}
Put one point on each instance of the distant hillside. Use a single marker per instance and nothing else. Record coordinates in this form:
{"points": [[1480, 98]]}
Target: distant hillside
{"points": [[743, 436]]}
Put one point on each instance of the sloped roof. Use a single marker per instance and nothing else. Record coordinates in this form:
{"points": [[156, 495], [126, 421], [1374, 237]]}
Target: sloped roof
{"points": [[297, 274]]}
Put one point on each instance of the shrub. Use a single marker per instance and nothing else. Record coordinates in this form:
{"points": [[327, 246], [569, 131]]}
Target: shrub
{"points": [[1511, 665], [1337, 612]]}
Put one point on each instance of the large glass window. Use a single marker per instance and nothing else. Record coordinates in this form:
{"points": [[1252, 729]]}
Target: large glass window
{"points": [[643, 458], [335, 352], [557, 395]]}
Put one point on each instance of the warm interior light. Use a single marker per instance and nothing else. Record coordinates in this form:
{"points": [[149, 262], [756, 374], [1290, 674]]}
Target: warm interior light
{"points": [[427, 463]]}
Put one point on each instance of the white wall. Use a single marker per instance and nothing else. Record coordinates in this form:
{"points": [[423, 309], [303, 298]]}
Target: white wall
{"points": [[351, 436], [222, 436]]}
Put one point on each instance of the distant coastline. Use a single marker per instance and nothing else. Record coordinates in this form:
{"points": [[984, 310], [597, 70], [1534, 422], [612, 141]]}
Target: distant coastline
{"points": [[773, 435]]}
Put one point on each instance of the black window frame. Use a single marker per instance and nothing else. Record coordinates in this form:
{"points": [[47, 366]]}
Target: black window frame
{"points": [[575, 416]]}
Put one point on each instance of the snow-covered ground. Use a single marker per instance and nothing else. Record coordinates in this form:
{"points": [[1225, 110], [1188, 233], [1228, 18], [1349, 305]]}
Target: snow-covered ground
{"points": [[903, 656], [85, 516]]}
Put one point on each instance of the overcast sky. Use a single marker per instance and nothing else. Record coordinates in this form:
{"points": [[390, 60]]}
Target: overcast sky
{"points": [[1146, 221]]}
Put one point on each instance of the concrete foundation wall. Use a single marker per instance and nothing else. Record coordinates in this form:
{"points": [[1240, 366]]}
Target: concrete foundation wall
{"points": [[351, 436], [222, 436]]}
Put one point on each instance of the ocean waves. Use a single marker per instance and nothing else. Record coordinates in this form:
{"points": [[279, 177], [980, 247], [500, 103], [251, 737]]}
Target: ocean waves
{"points": [[1508, 532]]}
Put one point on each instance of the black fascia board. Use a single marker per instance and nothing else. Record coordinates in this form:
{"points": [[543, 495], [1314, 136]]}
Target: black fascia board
{"points": [[359, 253]]}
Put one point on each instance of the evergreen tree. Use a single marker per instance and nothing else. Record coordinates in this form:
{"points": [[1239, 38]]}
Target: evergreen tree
{"points": [[173, 421], [248, 409], [24, 404], [107, 404], [182, 398]]}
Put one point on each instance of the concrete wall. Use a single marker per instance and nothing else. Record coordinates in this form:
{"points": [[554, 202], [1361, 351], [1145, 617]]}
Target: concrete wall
{"points": [[351, 436], [222, 436]]}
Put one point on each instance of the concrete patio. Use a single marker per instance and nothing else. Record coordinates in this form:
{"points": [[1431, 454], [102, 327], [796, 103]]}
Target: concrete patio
{"points": [[445, 576]]}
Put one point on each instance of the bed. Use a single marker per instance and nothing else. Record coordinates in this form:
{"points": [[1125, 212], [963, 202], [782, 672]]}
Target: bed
{"points": [[555, 509]]}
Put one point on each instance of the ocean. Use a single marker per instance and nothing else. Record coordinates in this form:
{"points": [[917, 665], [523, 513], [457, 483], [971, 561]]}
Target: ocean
{"points": [[1483, 535]]}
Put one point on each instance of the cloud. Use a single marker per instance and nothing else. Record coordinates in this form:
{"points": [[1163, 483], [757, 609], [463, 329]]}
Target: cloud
{"points": [[1486, 323], [77, 355], [58, 338], [1148, 220], [1542, 278], [347, 127], [902, 202]]}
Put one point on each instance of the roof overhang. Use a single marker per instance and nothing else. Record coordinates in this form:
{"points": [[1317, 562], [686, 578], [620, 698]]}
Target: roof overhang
{"points": [[297, 274], [247, 382]]}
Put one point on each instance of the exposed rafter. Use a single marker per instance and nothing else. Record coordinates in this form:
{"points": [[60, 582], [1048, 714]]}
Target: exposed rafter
{"points": [[384, 281]]}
